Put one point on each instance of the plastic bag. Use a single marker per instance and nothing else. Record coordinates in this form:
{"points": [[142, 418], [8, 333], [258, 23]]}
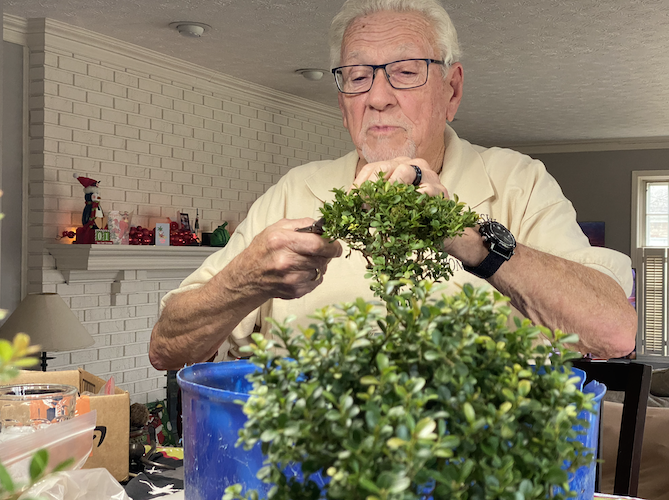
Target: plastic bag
{"points": [[71, 438], [109, 387], [85, 484]]}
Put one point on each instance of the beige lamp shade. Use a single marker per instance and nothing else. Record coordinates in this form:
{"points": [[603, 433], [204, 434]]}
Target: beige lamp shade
{"points": [[50, 323]]}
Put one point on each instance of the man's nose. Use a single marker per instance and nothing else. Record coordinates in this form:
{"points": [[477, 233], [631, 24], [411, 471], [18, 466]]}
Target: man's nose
{"points": [[382, 94]]}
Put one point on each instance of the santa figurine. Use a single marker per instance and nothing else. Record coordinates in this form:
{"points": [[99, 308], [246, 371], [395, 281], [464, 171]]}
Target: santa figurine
{"points": [[92, 216]]}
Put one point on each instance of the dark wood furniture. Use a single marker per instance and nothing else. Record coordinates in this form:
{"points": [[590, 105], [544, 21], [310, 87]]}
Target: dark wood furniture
{"points": [[634, 380]]}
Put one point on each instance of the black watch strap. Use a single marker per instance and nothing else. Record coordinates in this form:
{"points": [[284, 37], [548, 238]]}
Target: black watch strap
{"points": [[500, 243], [488, 267]]}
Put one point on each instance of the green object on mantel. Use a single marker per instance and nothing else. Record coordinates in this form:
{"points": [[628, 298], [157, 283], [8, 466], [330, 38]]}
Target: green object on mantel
{"points": [[220, 236]]}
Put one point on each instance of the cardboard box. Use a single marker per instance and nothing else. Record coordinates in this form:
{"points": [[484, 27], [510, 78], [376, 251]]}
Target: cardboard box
{"points": [[112, 426]]}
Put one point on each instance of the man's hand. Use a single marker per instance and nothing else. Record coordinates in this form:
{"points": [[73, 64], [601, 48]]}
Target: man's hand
{"points": [[467, 248], [279, 263], [283, 263], [401, 170]]}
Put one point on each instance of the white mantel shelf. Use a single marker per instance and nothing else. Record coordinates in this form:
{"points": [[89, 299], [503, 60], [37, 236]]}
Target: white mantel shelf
{"points": [[127, 257]]}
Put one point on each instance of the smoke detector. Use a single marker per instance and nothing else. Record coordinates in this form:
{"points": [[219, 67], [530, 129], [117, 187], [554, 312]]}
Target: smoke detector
{"points": [[190, 29], [313, 74]]}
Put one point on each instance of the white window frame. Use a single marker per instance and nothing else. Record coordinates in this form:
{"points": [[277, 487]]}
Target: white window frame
{"points": [[651, 276]]}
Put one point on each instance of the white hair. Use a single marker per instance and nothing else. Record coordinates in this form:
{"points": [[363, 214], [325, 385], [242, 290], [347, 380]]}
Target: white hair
{"points": [[447, 37]]}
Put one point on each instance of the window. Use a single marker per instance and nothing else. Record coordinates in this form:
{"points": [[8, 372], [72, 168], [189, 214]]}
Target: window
{"points": [[650, 252], [657, 214]]}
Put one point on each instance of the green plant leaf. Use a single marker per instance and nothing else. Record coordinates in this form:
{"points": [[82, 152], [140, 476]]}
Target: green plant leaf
{"points": [[400, 484], [431, 355], [6, 351], [64, 465], [396, 442], [524, 387], [6, 482], [425, 427], [470, 414], [569, 339], [369, 485], [382, 361], [556, 475], [38, 464], [26, 362]]}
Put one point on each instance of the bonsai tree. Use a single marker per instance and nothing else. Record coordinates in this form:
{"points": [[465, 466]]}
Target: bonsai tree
{"points": [[398, 230], [431, 398]]}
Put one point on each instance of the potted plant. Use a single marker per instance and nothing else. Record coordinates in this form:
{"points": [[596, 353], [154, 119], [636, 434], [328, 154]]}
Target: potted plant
{"points": [[430, 397]]}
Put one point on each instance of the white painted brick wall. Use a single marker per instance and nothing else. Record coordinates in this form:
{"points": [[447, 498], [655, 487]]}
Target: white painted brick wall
{"points": [[121, 332], [159, 141], [117, 136]]}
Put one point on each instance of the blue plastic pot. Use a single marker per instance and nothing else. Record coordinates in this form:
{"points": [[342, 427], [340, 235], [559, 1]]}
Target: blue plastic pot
{"points": [[583, 481], [212, 419], [211, 422]]}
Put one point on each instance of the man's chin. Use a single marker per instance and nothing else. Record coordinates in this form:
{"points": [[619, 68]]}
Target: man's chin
{"points": [[385, 152]]}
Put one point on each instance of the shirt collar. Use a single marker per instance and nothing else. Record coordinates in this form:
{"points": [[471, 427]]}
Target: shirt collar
{"points": [[463, 173], [339, 173]]}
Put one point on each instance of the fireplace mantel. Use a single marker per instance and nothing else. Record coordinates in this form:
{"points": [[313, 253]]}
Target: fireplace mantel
{"points": [[127, 257]]}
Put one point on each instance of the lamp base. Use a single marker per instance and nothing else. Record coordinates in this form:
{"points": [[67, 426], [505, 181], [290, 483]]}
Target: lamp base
{"points": [[43, 360]]}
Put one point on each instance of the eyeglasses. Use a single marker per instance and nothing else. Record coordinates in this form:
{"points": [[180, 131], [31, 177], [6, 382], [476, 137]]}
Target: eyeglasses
{"points": [[402, 75]]}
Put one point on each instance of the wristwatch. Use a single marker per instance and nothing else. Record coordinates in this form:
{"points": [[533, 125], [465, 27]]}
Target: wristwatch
{"points": [[500, 243]]}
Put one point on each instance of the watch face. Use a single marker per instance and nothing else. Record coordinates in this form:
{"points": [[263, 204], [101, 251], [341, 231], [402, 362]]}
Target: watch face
{"points": [[504, 236]]}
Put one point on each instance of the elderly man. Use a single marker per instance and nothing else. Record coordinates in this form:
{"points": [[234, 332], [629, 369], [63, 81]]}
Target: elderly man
{"points": [[399, 83]]}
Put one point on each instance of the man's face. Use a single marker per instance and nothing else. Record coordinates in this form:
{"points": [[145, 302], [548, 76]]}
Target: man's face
{"points": [[385, 123]]}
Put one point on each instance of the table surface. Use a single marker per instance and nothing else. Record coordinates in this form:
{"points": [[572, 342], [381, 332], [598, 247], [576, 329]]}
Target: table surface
{"points": [[174, 496], [603, 495]]}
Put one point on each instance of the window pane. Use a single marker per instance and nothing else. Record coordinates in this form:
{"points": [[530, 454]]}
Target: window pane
{"points": [[657, 230], [657, 201]]}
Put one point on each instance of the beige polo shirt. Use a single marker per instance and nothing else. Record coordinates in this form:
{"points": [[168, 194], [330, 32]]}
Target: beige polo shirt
{"points": [[505, 185]]}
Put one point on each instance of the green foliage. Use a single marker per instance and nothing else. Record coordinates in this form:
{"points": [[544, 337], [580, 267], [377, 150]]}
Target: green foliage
{"points": [[431, 398], [14, 355], [399, 231], [435, 399]]}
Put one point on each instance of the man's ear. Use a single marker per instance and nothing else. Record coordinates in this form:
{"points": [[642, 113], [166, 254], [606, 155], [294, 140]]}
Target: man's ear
{"points": [[454, 82]]}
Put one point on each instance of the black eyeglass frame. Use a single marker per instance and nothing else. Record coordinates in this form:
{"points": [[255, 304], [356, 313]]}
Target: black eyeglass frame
{"points": [[383, 66]]}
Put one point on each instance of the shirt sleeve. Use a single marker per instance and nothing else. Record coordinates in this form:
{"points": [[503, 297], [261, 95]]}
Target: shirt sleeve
{"points": [[549, 225]]}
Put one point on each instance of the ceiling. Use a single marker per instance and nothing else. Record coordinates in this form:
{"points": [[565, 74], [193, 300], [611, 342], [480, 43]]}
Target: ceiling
{"points": [[536, 71]]}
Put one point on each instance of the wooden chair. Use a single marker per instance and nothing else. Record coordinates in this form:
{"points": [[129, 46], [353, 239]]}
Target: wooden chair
{"points": [[634, 380]]}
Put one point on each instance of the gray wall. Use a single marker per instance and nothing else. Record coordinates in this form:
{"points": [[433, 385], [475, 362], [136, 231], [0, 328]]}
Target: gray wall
{"points": [[599, 186]]}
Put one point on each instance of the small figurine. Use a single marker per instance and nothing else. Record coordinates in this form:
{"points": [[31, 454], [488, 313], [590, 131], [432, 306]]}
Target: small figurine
{"points": [[196, 229], [92, 216]]}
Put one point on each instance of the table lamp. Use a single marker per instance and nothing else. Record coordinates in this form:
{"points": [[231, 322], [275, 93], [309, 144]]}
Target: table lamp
{"points": [[50, 322]]}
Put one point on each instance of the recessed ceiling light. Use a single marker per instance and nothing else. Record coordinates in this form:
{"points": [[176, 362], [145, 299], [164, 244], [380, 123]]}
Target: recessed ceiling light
{"points": [[190, 29], [312, 74]]}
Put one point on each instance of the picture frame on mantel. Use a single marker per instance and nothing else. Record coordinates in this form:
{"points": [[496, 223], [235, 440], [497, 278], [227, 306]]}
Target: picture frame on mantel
{"points": [[184, 221], [162, 234]]}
